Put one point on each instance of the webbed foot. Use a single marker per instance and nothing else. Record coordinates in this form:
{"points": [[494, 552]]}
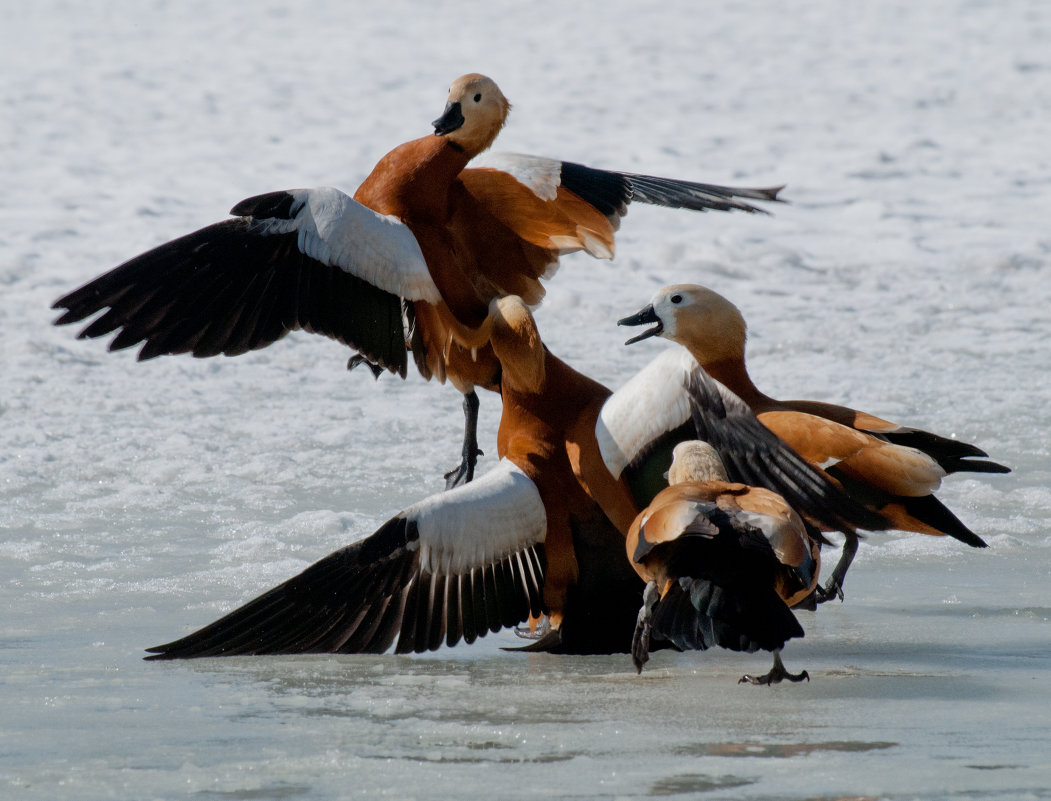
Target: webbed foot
{"points": [[537, 632], [834, 586], [463, 472], [777, 674], [833, 589]]}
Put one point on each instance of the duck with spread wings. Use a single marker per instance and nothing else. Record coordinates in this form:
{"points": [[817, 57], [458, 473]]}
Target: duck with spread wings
{"points": [[541, 533], [408, 265]]}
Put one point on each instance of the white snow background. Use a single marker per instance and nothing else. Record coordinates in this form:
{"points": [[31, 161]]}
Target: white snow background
{"points": [[909, 277]]}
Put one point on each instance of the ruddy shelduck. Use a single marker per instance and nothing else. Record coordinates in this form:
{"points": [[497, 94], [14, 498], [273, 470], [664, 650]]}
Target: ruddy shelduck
{"points": [[722, 564], [891, 468], [541, 533], [409, 264]]}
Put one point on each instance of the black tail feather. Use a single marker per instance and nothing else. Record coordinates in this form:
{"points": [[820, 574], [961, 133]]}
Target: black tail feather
{"points": [[953, 455], [934, 513], [699, 613]]}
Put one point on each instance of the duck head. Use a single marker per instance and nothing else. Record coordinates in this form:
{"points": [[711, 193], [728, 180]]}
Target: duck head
{"points": [[695, 460], [474, 114], [701, 320]]}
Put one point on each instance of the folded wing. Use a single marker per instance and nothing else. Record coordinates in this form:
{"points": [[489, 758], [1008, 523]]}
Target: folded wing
{"points": [[672, 399], [756, 456]]}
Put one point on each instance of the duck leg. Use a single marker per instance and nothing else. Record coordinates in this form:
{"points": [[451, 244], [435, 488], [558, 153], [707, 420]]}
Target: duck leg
{"points": [[777, 674], [834, 587], [464, 472], [640, 640]]}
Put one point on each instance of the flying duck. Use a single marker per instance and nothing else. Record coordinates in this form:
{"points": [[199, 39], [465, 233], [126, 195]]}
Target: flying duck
{"points": [[407, 265]]}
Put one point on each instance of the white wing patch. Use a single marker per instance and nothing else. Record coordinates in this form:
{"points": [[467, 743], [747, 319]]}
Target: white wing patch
{"points": [[653, 402], [338, 231], [479, 523], [543, 176]]}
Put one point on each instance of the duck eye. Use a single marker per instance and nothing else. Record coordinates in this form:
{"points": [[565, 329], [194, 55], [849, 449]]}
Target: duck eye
{"points": [[676, 298], [478, 97]]}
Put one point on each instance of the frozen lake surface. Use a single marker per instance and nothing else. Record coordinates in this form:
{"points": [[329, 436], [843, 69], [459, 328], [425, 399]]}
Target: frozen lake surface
{"points": [[910, 276]]}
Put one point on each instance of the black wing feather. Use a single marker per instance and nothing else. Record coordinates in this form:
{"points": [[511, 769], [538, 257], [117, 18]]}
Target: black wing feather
{"points": [[756, 456], [951, 454], [232, 287], [677, 194], [611, 192], [363, 597], [740, 614]]}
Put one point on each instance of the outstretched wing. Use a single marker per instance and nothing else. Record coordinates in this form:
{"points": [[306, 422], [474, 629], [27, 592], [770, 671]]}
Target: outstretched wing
{"points": [[307, 258], [454, 566], [672, 399], [610, 192], [523, 212]]}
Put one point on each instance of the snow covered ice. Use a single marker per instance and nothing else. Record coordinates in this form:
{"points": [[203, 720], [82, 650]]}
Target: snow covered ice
{"points": [[909, 277]]}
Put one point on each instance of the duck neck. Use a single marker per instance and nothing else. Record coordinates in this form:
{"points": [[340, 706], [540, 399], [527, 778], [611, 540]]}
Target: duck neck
{"points": [[733, 374], [413, 180], [549, 408]]}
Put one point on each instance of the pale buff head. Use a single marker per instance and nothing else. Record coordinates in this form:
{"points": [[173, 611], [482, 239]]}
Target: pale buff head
{"points": [[474, 113], [517, 344], [703, 321], [695, 460]]}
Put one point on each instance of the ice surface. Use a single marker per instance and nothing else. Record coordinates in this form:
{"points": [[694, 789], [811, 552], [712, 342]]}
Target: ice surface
{"points": [[910, 276]]}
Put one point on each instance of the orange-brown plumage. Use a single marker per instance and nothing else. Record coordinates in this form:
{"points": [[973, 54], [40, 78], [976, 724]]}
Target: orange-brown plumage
{"points": [[673, 509], [722, 561], [543, 401], [425, 238], [563, 222], [891, 468], [483, 234], [530, 537], [462, 562], [886, 467], [550, 415]]}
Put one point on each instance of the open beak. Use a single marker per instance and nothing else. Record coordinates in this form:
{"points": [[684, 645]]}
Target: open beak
{"points": [[643, 317], [451, 119]]}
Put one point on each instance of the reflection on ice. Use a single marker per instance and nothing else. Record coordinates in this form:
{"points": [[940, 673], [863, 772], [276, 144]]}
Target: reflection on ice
{"points": [[780, 750], [687, 783]]}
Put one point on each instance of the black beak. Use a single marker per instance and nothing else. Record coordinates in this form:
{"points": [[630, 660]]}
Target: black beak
{"points": [[647, 315], [451, 119]]}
